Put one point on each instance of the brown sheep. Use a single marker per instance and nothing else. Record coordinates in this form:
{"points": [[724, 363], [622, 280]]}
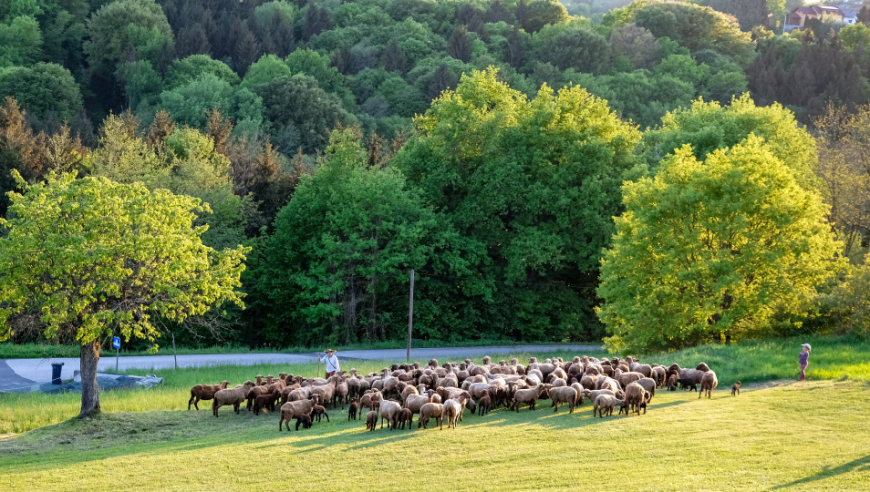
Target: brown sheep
{"points": [[305, 420], [266, 402], [352, 411], [389, 411], [634, 396], [626, 378], [416, 402], [708, 384], [294, 409], [563, 394], [672, 383], [735, 390], [660, 375], [452, 409], [369, 401], [649, 385], [234, 396], [605, 382], [484, 404], [405, 416], [204, 392], [604, 405], [428, 411], [371, 421], [318, 412], [529, 396]]}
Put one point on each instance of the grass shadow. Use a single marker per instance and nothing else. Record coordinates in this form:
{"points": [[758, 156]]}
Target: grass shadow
{"points": [[861, 464]]}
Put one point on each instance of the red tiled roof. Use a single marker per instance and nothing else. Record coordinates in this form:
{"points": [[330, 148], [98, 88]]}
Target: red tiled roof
{"points": [[818, 10]]}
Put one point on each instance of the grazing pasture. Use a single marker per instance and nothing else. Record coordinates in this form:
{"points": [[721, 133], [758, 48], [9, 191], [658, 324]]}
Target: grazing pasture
{"points": [[776, 434]]}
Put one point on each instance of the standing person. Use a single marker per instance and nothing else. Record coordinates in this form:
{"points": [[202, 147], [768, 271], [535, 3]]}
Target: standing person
{"points": [[804, 358], [331, 362]]}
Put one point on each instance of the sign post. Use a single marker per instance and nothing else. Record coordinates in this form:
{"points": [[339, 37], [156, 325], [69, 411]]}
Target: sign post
{"points": [[116, 342]]}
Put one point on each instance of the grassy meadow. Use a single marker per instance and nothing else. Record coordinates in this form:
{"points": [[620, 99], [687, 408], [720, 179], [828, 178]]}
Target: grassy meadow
{"points": [[777, 434]]}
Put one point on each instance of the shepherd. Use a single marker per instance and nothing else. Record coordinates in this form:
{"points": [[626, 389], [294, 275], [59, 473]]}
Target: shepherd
{"points": [[804, 359], [331, 362]]}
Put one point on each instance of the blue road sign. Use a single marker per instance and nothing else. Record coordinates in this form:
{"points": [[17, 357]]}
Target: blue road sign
{"points": [[116, 342]]}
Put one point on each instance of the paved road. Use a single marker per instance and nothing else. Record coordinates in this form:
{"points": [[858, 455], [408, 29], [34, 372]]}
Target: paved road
{"points": [[23, 372]]}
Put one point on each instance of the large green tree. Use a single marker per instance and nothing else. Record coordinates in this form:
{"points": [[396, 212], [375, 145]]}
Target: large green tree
{"points": [[126, 28], [534, 183], [714, 249], [342, 251], [104, 258]]}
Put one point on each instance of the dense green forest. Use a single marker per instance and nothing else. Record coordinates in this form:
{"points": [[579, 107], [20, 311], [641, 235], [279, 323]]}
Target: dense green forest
{"points": [[488, 145]]}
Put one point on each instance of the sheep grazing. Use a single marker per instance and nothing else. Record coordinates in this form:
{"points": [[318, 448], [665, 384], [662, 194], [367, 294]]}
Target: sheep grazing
{"points": [[635, 394], [672, 383], [688, 384], [735, 390], [649, 385], [318, 412], [405, 416], [293, 409], [369, 401], [604, 405], [529, 396], [352, 411], [204, 392], [230, 396], [708, 384], [431, 410], [371, 421], [266, 402], [389, 410], [452, 408], [484, 404], [563, 394], [305, 420], [660, 375]]}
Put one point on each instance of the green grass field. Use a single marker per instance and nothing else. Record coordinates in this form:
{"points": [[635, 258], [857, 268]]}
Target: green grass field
{"points": [[807, 436]]}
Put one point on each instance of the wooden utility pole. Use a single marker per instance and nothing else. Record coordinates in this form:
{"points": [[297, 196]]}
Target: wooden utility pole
{"points": [[174, 352], [410, 316]]}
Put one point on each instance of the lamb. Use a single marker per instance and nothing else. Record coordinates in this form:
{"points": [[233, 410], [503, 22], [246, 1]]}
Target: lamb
{"points": [[305, 420], [688, 384], [529, 396], [604, 404], [266, 401], [563, 394], [318, 412], [351, 413], [484, 404], [405, 416], [371, 421], [234, 397], [735, 390], [204, 392], [389, 410], [428, 411], [293, 409], [672, 383], [708, 384]]}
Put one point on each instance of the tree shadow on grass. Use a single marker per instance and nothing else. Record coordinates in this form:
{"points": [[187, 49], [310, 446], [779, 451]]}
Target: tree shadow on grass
{"points": [[861, 464]]}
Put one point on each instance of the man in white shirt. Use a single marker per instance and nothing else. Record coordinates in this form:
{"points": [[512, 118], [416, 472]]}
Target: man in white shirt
{"points": [[331, 362]]}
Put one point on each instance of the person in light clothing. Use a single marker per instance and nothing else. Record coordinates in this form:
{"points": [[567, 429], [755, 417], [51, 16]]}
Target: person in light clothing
{"points": [[331, 362], [804, 359]]}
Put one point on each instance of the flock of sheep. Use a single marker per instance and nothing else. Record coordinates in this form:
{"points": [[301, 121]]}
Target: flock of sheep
{"points": [[443, 393]]}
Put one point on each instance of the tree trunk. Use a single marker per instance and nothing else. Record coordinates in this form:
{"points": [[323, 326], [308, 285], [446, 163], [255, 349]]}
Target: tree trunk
{"points": [[90, 356]]}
